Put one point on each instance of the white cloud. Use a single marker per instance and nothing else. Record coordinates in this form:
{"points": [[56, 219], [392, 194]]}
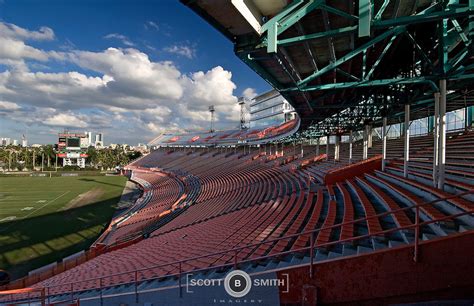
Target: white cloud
{"points": [[16, 50], [249, 93], [185, 51], [16, 32], [214, 87], [122, 38], [8, 106], [134, 75], [151, 25], [65, 120], [128, 92]]}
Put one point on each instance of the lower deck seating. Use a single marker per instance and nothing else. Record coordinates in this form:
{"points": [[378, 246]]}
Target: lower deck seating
{"points": [[240, 201]]}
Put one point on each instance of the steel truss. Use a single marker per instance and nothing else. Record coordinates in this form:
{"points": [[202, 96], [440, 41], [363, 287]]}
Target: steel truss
{"points": [[445, 54]]}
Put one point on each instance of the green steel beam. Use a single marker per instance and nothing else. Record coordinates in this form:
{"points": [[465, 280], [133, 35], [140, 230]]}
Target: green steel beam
{"points": [[272, 38], [379, 59], [460, 32], [319, 35], [381, 10], [351, 55], [287, 10], [296, 16], [347, 74], [470, 116], [443, 46], [364, 63], [423, 17], [381, 82], [277, 25], [457, 60], [419, 49], [365, 17]]}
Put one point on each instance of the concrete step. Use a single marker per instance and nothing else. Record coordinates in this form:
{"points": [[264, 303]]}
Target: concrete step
{"points": [[348, 250], [377, 245], [395, 243], [465, 228], [333, 255], [427, 236], [361, 250], [321, 255]]}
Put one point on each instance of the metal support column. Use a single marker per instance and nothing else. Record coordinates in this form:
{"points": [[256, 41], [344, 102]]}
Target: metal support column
{"points": [[337, 147], [436, 139], [365, 148], [369, 136], [317, 145], [442, 134], [406, 141], [384, 142], [350, 146], [469, 116], [327, 147]]}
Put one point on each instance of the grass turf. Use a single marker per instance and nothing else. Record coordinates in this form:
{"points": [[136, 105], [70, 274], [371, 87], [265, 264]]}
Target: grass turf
{"points": [[44, 219]]}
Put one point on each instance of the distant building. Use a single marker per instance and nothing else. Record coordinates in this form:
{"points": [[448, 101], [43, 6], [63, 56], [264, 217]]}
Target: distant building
{"points": [[89, 139], [24, 141], [99, 140], [270, 108], [15, 142], [5, 141]]}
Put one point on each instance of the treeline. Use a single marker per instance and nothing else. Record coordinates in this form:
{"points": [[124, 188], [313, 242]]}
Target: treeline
{"points": [[22, 159]]}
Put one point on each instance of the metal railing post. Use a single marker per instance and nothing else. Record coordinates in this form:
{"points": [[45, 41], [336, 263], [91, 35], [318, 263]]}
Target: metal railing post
{"points": [[43, 303], [179, 276], [100, 292], [311, 254], [417, 233], [136, 286], [72, 292]]}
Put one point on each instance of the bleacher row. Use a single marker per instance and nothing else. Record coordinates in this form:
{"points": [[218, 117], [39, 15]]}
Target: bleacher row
{"points": [[241, 200], [227, 137]]}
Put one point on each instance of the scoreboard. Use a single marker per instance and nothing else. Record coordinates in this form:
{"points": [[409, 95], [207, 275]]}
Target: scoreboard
{"points": [[72, 148], [72, 142]]}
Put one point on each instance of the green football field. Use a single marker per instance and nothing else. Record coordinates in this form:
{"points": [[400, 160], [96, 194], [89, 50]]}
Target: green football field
{"points": [[44, 219]]}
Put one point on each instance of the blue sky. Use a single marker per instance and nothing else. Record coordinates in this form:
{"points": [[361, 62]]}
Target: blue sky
{"points": [[130, 69]]}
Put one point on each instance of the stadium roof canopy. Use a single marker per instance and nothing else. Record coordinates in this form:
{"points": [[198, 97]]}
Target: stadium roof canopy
{"points": [[345, 63]]}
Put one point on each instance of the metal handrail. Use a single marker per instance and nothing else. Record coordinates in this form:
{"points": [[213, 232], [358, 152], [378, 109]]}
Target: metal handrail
{"points": [[312, 246]]}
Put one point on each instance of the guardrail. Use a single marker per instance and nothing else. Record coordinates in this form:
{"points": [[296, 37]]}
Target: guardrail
{"points": [[352, 170], [176, 268]]}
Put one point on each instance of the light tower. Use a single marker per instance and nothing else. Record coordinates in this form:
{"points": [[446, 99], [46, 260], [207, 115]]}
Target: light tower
{"points": [[243, 122], [212, 110]]}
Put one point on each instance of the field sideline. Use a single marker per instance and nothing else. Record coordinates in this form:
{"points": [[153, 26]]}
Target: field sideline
{"points": [[44, 219]]}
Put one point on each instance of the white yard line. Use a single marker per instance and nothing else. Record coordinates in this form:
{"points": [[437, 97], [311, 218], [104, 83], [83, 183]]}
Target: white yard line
{"points": [[47, 203], [3, 229]]}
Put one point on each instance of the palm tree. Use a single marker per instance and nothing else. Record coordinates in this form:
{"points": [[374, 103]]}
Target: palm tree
{"points": [[49, 154]]}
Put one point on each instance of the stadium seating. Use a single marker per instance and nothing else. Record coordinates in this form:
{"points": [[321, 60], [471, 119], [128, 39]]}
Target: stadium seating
{"points": [[234, 200], [228, 137]]}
